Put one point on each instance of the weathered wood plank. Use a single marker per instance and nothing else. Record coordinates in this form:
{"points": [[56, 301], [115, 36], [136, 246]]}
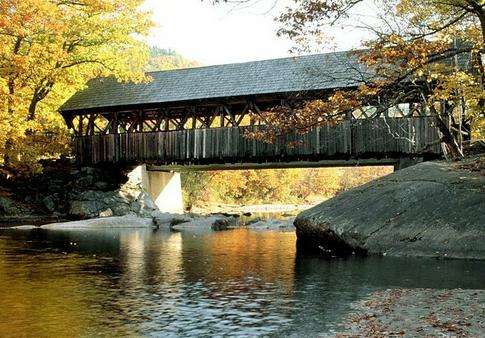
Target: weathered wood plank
{"points": [[349, 139]]}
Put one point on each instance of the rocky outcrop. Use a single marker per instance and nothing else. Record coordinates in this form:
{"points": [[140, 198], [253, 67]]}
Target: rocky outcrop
{"points": [[67, 192], [129, 198], [431, 209]]}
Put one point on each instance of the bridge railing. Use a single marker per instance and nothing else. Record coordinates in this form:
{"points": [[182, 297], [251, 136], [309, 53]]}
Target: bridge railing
{"points": [[364, 138]]}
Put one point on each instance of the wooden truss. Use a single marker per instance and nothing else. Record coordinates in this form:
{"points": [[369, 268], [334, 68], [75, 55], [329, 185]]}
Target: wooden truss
{"points": [[197, 117]]}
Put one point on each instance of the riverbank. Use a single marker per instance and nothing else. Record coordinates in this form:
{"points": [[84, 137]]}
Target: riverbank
{"points": [[433, 209], [418, 313]]}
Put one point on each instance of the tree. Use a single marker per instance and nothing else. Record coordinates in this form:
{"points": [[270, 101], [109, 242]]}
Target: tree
{"points": [[166, 59], [429, 53], [48, 50]]}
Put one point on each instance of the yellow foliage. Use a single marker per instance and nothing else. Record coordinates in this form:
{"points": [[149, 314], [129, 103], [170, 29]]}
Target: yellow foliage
{"points": [[48, 50], [274, 185]]}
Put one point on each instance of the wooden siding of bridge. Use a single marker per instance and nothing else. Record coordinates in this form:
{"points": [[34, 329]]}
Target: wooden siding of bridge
{"points": [[378, 137]]}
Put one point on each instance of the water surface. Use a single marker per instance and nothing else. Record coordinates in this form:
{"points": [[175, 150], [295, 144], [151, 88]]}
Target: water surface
{"points": [[146, 283]]}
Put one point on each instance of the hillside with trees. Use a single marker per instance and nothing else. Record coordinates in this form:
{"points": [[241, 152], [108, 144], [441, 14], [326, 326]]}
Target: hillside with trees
{"points": [[166, 59]]}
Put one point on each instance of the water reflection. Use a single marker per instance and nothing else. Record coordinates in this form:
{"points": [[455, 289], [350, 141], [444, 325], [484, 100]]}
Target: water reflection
{"points": [[139, 282]]}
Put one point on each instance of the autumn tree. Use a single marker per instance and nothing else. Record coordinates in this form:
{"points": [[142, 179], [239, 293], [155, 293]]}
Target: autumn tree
{"points": [[428, 53], [48, 50], [166, 59]]}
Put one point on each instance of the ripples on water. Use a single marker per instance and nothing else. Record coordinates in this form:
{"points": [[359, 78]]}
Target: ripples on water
{"points": [[144, 283]]}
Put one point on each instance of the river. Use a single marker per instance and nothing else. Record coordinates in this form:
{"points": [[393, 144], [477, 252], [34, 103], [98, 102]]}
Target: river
{"points": [[160, 283]]}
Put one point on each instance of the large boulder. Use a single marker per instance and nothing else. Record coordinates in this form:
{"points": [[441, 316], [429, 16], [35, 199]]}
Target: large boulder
{"points": [[431, 209]]}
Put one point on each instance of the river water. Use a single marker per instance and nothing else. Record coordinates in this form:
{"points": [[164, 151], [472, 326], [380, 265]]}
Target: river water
{"points": [[160, 283]]}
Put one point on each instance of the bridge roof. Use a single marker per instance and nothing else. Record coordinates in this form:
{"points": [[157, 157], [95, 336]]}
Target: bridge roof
{"points": [[286, 75]]}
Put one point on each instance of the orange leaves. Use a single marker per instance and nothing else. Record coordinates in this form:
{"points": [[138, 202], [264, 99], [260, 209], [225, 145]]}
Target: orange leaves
{"points": [[302, 117]]}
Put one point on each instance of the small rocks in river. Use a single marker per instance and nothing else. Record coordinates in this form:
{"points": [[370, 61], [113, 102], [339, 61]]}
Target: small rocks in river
{"points": [[180, 219], [225, 223], [205, 223], [271, 224], [220, 224], [165, 219], [254, 220]]}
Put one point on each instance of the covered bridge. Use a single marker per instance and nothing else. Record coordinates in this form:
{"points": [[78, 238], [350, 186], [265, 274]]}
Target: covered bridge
{"points": [[198, 117]]}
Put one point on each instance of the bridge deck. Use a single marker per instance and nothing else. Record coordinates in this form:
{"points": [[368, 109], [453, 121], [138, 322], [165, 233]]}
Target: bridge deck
{"points": [[349, 140]]}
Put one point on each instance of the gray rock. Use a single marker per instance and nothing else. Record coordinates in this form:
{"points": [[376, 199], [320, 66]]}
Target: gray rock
{"points": [[25, 227], [120, 209], [180, 219], [88, 170], [221, 224], [91, 195], [135, 206], [9, 207], [272, 225], [193, 224], [85, 209], [106, 213], [85, 181], [146, 201], [164, 219], [203, 223], [50, 203], [101, 185], [426, 210]]}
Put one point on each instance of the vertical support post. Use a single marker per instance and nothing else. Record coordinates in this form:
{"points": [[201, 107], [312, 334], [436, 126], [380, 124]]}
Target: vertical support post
{"points": [[221, 113], [81, 119]]}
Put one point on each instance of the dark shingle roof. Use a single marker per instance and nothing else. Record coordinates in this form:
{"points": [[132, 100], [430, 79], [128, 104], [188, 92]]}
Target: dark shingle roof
{"points": [[286, 75]]}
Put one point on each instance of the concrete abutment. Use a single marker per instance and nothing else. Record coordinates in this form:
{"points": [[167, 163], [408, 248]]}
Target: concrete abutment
{"points": [[164, 187]]}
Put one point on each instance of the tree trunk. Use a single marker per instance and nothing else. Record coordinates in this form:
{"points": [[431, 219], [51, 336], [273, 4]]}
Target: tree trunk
{"points": [[32, 108], [450, 144]]}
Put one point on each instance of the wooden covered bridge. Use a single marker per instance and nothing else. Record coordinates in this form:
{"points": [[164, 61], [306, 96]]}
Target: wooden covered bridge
{"points": [[198, 117]]}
